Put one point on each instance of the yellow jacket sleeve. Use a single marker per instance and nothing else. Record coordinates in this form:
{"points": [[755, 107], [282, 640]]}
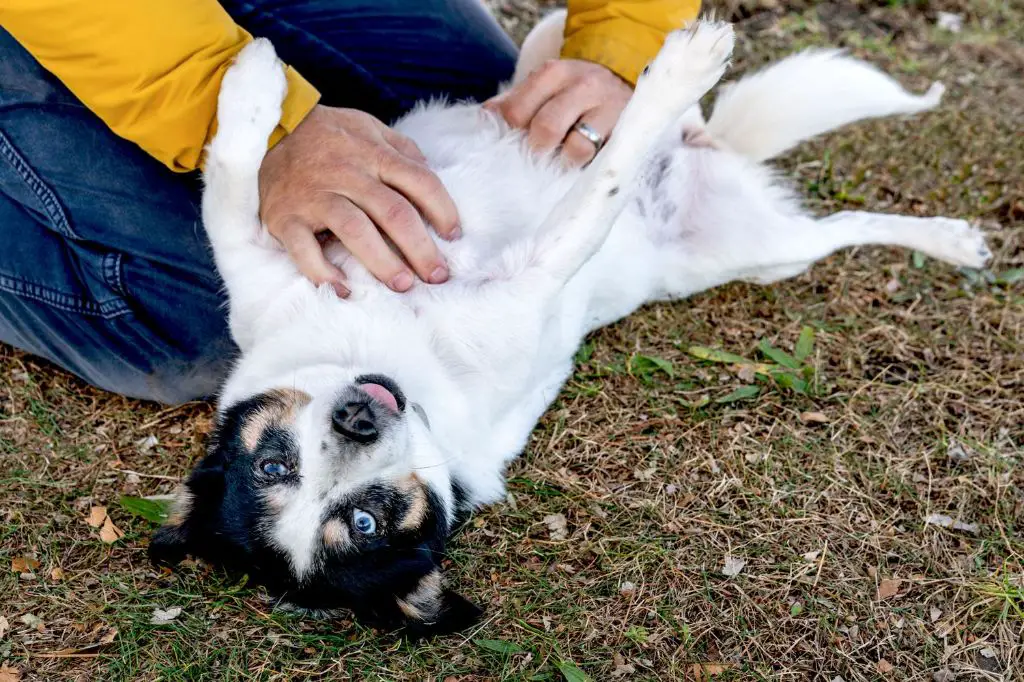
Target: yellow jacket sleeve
{"points": [[151, 69], [623, 35]]}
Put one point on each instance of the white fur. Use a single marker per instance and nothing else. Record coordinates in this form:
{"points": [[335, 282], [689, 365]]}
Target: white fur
{"points": [[547, 254], [823, 90]]}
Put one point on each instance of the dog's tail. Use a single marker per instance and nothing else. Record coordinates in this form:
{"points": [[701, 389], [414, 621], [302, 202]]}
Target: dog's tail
{"points": [[803, 96]]}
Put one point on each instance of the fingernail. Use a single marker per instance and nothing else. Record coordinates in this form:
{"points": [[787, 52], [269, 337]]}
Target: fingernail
{"points": [[456, 233], [340, 289], [402, 281], [439, 275]]}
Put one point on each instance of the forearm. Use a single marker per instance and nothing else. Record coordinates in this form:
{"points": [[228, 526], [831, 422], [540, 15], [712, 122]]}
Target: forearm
{"points": [[150, 70]]}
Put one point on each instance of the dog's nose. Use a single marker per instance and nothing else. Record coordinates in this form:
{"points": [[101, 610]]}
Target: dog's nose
{"points": [[354, 420]]}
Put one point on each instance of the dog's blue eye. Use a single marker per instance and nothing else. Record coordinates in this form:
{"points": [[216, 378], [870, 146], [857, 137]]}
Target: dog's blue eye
{"points": [[363, 522], [275, 468]]}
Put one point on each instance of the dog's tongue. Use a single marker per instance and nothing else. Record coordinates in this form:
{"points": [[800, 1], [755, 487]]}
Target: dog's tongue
{"points": [[381, 395]]}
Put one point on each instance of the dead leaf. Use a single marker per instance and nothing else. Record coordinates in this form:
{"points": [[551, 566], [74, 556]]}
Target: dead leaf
{"points": [[9, 674], [812, 556], [5, 625], [24, 564], [888, 588], [957, 452], [703, 672], [57, 574], [164, 616], [147, 443], [557, 526], [109, 637], [110, 533], [813, 417], [33, 621], [733, 566], [935, 614], [883, 666], [746, 374], [948, 522], [621, 667], [97, 515]]}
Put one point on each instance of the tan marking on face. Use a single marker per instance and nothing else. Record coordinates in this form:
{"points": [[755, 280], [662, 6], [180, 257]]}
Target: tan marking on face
{"points": [[181, 507], [415, 492], [424, 602], [275, 499], [335, 534], [282, 409]]}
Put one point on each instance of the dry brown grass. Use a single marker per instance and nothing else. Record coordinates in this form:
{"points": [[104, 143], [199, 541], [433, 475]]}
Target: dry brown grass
{"points": [[919, 372]]}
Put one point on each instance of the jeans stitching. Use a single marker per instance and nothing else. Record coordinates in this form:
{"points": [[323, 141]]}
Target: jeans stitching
{"points": [[112, 273], [51, 205], [57, 299]]}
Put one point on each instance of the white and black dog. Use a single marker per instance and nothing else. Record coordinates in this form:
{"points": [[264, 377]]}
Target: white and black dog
{"points": [[352, 434]]}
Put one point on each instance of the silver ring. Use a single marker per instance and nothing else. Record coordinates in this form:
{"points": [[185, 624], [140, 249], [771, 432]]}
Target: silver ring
{"points": [[596, 138]]}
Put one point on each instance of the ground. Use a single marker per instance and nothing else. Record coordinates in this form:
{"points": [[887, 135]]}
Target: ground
{"points": [[674, 517]]}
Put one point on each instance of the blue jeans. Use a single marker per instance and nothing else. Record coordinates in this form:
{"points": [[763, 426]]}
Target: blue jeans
{"points": [[104, 266]]}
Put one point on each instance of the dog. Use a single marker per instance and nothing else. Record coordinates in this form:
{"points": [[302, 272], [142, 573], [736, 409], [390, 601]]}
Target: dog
{"points": [[352, 436]]}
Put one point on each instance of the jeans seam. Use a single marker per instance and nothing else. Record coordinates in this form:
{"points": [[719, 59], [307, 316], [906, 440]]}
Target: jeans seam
{"points": [[49, 201], [57, 299], [112, 273]]}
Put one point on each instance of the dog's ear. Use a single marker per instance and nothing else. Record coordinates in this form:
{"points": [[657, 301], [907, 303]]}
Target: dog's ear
{"points": [[454, 614], [431, 610], [170, 543], [196, 500]]}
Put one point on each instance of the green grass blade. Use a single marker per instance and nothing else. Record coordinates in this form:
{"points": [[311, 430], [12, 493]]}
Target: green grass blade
{"points": [[715, 355], [805, 344], [781, 357], [151, 510], [741, 393]]}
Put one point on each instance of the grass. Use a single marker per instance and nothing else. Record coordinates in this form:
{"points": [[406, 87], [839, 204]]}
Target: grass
{"points": [[915, 375]]}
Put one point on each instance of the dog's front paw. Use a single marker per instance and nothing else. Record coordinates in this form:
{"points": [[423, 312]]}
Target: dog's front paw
{"points": [[249, 105], [694, 57]]}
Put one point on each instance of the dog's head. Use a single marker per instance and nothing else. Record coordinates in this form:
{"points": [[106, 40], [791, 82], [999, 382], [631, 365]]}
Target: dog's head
{"points": [[331, 498]]}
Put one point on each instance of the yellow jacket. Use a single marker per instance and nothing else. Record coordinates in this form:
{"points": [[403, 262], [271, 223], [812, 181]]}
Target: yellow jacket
{"points": [[151, 69]]}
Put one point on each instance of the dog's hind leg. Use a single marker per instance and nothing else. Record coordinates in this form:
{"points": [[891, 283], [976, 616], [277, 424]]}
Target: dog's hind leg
{"points": [[783, 247], [689, 64], [950, 240], [248, 110]]}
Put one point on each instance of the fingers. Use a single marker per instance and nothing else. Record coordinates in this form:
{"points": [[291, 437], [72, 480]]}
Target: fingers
{"points": [[519, 105], [400, 221], [556, 118], [305, 250], [424, 189], [344, 172], [352, 225], [578, 150], [404, 145]]}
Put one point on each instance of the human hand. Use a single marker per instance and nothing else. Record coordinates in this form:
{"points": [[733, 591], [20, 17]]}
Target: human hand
{"points": [[344, 172], [552, 99]]}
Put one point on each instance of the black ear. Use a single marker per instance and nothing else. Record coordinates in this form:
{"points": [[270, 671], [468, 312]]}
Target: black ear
{"points": [[169, 545], [455, 613]]}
